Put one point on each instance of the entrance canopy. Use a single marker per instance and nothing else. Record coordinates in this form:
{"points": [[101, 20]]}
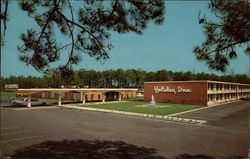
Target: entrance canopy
{"points": [[63, 90], [82, 92]]}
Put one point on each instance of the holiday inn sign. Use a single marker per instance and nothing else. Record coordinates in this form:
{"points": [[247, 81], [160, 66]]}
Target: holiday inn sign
{"points": [[179, 89]]}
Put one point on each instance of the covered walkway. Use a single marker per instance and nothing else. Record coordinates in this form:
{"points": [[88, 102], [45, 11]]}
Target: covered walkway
{"points": [[82, 91]]}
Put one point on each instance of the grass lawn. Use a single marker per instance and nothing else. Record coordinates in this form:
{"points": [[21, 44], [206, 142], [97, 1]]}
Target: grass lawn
{"points": [[142, 107], [8, 94]]}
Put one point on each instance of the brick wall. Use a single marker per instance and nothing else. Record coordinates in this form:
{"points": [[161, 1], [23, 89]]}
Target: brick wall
{"points": [[93, 96], [197, 96], [90, 96]]}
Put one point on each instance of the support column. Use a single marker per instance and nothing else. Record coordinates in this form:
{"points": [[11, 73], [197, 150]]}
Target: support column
{"points": [[83, 98], [103, 97], [119, 96], [59, 99], [29, 101]]}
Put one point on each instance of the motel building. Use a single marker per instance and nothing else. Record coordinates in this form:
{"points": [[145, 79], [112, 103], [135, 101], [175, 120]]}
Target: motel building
{"points": [[82, 95], [205, 93]]}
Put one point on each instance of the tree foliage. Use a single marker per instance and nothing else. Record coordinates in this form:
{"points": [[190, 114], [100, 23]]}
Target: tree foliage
{"points": [[131, 78], [4, 19], [87, 27], [223, 36]]}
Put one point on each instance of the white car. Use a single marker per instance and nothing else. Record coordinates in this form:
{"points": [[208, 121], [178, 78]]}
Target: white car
{"points": [[24, 102]]}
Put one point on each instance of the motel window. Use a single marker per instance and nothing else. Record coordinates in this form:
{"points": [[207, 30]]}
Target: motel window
{"points": [[210, 97], [221, 97], [217, 86], [213, 96], [217, 96], [213, 85], [210, 86]]}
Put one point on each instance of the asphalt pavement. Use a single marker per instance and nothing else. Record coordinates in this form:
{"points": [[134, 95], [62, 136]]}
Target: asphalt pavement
{"points": [[57, 132], [232, 116]]}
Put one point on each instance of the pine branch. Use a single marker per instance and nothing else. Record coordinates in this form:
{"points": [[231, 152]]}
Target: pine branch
{"points": [[5, 16], [84, 29]]}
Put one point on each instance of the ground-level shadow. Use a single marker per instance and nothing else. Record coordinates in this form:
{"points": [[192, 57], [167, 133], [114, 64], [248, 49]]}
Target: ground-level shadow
{"points": [[96, 149]]}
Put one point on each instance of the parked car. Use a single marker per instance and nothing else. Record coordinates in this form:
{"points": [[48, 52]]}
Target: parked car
{"points": [[24, 102]]}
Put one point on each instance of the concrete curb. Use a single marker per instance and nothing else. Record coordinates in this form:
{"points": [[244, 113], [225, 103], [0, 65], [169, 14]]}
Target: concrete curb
{"points": [[107, 102], [168, 118]]}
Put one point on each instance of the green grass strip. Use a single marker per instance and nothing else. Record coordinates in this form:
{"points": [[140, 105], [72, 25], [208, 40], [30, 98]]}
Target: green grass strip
{"points": [[143, 107]]}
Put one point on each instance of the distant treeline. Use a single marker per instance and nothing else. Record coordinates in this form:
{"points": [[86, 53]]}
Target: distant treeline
{"points": [[114, 78]]}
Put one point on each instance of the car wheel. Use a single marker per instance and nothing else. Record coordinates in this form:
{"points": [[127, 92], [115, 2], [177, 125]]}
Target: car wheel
{"points": [[44, 103]]}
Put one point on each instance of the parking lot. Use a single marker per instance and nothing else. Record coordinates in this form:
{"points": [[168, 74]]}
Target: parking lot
{"points": [[62, 133], [14, 136], [231, 116]]}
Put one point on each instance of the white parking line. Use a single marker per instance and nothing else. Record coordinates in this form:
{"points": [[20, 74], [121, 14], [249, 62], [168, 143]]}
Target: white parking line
{"points": [[12, 133], [7, 128], [21, 138], [10, 145]]}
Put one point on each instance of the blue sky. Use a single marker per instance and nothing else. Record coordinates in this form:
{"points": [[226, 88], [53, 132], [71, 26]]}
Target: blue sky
{"points": [[167, 46]]}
